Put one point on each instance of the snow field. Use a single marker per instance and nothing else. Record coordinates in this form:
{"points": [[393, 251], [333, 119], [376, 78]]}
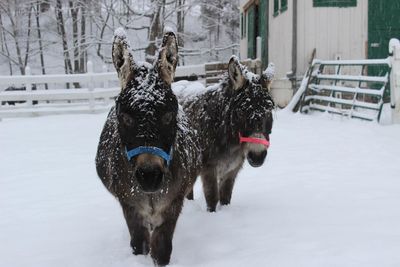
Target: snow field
{"points": [[328, 195]]}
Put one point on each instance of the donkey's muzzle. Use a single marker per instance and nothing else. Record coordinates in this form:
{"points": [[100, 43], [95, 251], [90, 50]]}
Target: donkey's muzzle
{"points": [[150, 178], [256, 159]]}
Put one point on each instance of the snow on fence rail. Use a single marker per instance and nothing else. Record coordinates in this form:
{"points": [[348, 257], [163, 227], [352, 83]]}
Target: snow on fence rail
{"points": [[89, 99], [354, 88]]}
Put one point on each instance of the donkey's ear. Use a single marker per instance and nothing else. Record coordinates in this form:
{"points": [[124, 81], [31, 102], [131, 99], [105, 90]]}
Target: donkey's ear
{"points": [[122, 57], [235, 73], [168, 57], [267, 76]]}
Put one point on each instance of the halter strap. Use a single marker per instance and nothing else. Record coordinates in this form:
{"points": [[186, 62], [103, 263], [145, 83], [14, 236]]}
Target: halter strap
{"points": [[254, 140], [148, 150]]}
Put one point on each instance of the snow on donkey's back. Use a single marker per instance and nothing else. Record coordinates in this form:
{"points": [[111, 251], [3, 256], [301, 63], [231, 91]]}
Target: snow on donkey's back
{"points": [[147, 154]]}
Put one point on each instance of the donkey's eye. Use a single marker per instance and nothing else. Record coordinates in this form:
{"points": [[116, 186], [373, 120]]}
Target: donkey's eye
{"points": [[167, 118], [127, 119]]}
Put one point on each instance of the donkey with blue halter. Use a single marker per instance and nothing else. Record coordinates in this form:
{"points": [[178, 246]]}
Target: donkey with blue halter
{"points": [[147, 155], [233, 120]]}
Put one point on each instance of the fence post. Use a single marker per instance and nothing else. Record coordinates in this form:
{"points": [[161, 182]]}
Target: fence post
{"points": [[394, 49], [90, 85], [28, 85], [258, 47], [105, 84]]}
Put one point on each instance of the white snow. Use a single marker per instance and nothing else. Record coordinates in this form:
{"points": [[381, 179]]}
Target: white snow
{"points": [[269, 72], [328, 195], [184, 89], [120, 33], [393, 43], [168, 29], [190, 70]]}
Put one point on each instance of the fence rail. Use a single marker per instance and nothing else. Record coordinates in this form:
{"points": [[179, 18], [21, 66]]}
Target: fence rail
{"points": [[333, 87], [95, 96]]}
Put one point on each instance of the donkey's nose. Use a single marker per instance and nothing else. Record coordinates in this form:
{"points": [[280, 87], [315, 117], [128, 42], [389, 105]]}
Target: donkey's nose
{"points": [[149, 178]]}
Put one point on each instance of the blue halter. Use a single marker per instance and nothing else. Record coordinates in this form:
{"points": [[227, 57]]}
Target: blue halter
{"points": [[149, 150]]}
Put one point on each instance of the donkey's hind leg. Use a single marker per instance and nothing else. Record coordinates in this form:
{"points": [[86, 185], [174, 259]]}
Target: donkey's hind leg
{"points": [[210, 188], [140, 236], [226, 187]]}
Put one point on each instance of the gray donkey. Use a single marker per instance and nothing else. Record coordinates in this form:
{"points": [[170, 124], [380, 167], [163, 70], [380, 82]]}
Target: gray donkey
{"points": [[147, 155], [233, 120]]}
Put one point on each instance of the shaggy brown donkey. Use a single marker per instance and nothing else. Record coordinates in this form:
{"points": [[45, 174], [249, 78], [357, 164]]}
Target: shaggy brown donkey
{"points": [[233, 120], [147, 155]]}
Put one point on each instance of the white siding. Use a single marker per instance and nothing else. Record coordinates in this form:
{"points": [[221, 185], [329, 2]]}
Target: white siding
{"points": [[332, 31], [280, 40], [243, 42]]}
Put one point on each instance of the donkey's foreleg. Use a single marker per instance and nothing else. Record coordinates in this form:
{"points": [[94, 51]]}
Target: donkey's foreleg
{"points": [[190, 195], [226, 187], [161, 238], [139, 233], [210, 188]]}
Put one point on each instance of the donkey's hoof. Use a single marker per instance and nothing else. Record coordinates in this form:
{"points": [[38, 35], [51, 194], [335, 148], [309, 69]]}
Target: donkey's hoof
{"points": [[211, 209], [142, 249], [161, 261], [225, 202]]}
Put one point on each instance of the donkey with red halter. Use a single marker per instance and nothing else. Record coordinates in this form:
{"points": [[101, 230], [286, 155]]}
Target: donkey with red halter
{"points": [[147, 155], [233, 120]]}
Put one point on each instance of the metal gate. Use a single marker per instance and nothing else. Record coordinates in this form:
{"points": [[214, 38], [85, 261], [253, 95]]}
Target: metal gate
{"points": [[344, 87]]}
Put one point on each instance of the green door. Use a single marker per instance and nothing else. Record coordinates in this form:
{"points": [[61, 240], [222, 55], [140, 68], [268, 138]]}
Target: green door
{"points": [[251, 32], [383, 24], [263, 31]]}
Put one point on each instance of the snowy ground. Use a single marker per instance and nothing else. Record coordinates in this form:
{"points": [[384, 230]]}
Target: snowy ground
{"points": [[329, 195]]}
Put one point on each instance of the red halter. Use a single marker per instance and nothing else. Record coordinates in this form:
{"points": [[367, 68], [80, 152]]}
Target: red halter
{"points": [[254, 140]]}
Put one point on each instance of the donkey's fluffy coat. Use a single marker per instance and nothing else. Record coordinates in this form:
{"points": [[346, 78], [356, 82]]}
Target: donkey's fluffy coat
{"points": [[150, 192], [239, 104]]}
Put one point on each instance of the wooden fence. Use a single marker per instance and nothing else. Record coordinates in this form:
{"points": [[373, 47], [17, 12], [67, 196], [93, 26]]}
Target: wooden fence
{"points": [[95, 95]]}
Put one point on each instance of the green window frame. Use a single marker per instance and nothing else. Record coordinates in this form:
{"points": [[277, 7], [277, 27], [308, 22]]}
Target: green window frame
{"points": [[280, 6], [245, 25], [334, 3], [241, 26], [284, 5], [276, 8]]}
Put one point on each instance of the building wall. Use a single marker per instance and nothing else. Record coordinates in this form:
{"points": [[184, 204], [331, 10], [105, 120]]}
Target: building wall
{"points": [[332, 31], [243, 42], [280, 39]]}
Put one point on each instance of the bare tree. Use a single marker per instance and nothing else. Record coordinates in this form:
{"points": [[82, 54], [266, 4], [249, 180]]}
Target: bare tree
{"points": [[33, 31], [39, 8], [83, 46], [4, 48], [63, 34], [14, 11], [155, 31], [180, 25]]}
